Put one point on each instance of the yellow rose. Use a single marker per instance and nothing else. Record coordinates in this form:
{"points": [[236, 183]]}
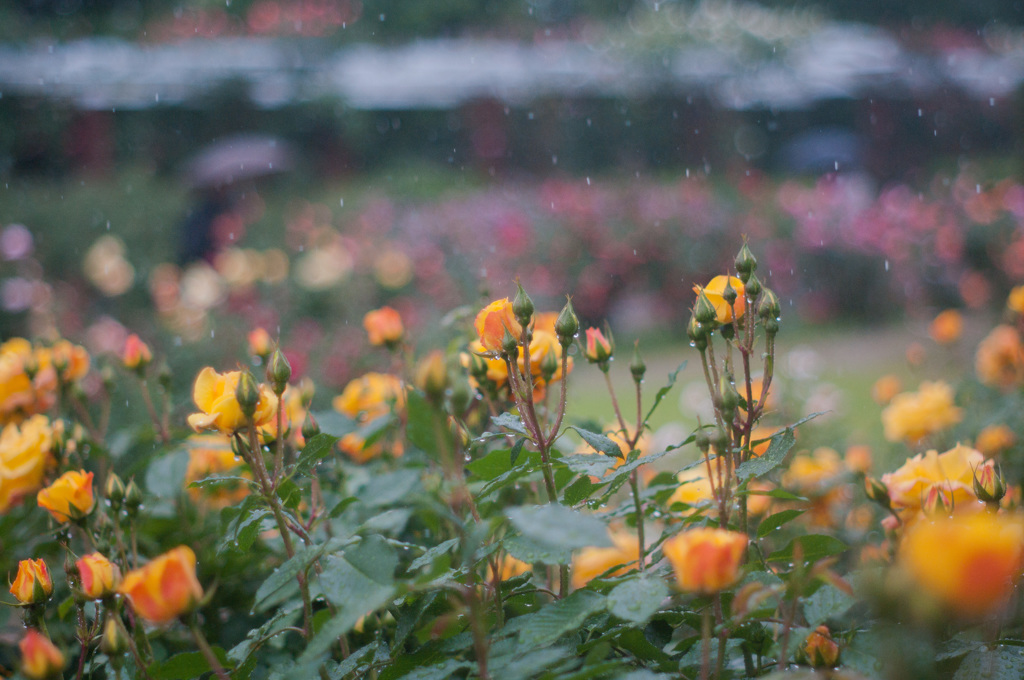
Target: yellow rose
{"points": [[33, 583], [70, 497], [911, 416], [815, 473], [24, 455], [995, 438], [590, 563], [953, 471], [714, 292], [694, 489], [968, 563], [370, 396], [214, 394]]}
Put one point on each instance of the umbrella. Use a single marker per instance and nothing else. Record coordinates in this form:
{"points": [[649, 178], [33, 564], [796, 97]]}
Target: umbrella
{"points": [[238, 157]]}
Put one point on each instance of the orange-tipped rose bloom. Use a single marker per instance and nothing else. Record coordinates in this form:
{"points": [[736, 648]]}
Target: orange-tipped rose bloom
{"points": [[214, 394], [136, 354], [69, 497], [384, 326], [821, 650], [953, 471], [714, 292], [40, 658], [100, 577], [166, 588], [969, 563], [492, 322], [706, 560], [1000, 358], [33, 583]]}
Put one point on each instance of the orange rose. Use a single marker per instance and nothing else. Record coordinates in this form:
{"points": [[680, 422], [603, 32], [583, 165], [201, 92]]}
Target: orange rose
{"points": [[166, 588], [69, 497], [508, 567], [136, 354], [493, 321], [946, 328], [885, 388], [969, 563], [71, 361], [24, 455], [214, 394], [1000, 358], [592, 562], [1015, 301], [40, 659], [33, 583], [821, 650], [20, 394], [705, 560], [995, 438], [714, 292], [370, 396], [384, 326], [100, 577], [260, 342]]}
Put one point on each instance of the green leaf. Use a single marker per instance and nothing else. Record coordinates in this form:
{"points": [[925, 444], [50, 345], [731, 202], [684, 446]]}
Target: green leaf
{"points": [[589, 464], [214, 481], [187, 665], [559, 527], [428, 557], [1002, 663], [357, 604], [241, 525], [815, 547], [580, 490], [334, 424], [664, 391], [634, 461], [530, 552], [492, 465], [423, 427], [389, 488], [274, 590], [165, 476], [827, 602], [351, 662], [517, 448], [782, 442], [511, 422], [599, 442], [257, 636], [561, 617], [773, 522], [314, 451], [637, 599], [441, 671]]}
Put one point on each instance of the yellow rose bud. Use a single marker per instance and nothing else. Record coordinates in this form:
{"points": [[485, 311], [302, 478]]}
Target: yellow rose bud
{"points": [[100, 577], [70, 497], [705, 560], [40, 659], [164, 589], [33, 584]]}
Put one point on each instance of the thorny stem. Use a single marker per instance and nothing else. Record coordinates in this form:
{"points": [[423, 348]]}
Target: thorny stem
{"points": [[256, 462], [634, 484], [787, 627], [279, 442], [615, 404], [561, 402], [140, 664], [723, 635]]}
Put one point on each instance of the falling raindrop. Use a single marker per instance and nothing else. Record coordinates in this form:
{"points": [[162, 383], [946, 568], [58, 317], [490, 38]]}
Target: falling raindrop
{"points": [[887, 265], [341, 202]]}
